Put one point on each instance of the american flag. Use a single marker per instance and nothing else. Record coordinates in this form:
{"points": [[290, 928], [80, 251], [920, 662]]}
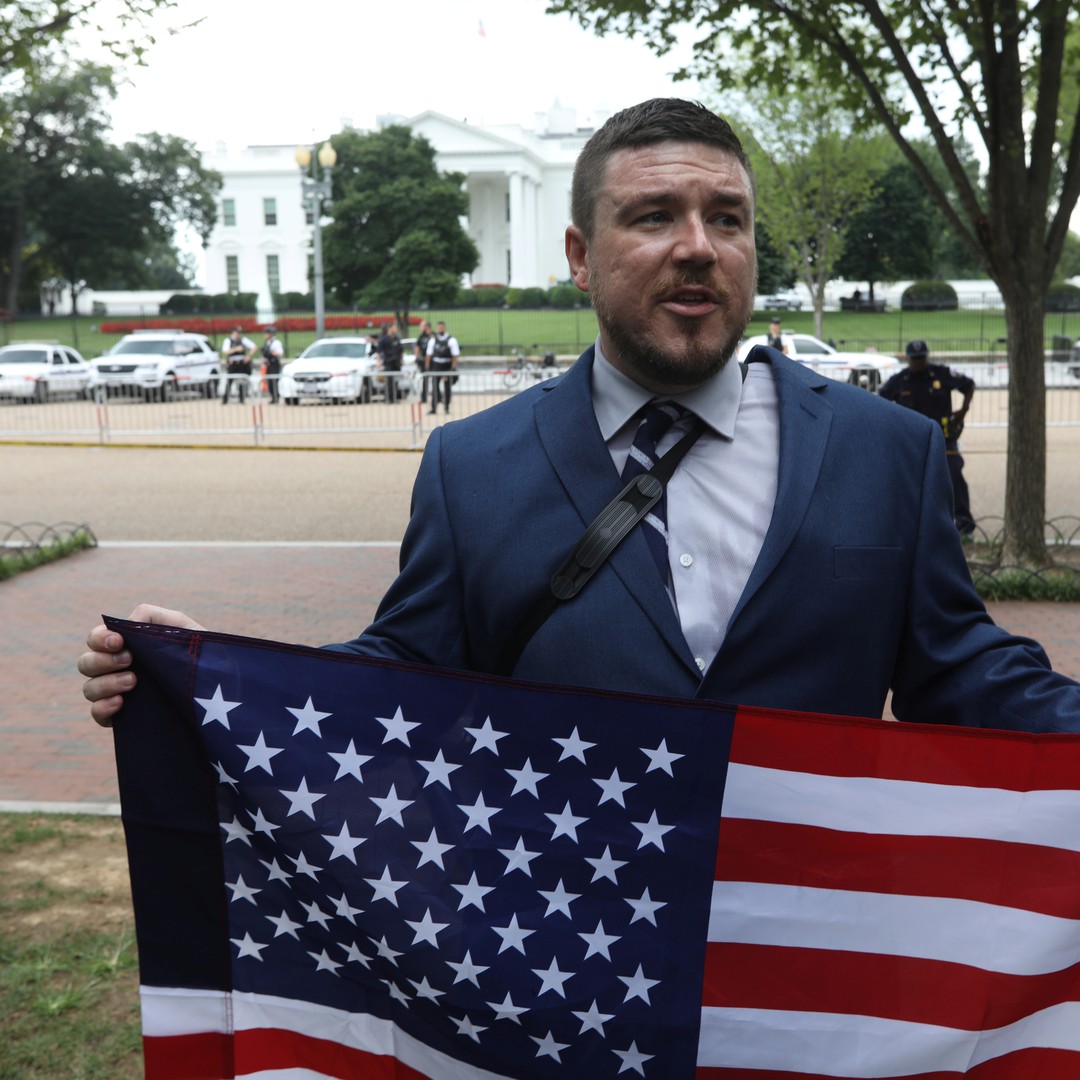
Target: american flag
{"points": [[344, 867]]}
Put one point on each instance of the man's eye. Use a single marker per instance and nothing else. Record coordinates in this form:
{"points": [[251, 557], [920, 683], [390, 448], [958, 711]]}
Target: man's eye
{"points": [[654, 217]]}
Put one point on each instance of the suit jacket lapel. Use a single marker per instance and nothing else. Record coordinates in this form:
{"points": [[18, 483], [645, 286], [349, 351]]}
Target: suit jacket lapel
{"points": [[805, 419], [570, 436]]}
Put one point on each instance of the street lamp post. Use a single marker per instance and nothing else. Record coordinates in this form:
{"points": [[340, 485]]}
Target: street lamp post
{"points": [[315, 192]]}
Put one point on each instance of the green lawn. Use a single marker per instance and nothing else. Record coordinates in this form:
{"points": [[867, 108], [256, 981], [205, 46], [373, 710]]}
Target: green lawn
{"points": [[567, 332]]}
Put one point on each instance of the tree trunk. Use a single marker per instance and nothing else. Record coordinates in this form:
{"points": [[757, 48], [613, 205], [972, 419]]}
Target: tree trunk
{"points": [[1025, 469], [15, 260]]}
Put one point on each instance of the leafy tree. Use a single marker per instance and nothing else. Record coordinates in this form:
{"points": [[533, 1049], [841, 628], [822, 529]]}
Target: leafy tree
{"points": [[30, 27], [813, 172], [774, 268], [1069, 267], [1006, 72], [892, 236], [76, 206], [33, 33], [396, 237]]}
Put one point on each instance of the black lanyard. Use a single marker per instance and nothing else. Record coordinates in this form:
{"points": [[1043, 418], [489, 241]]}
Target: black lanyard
{"points": [[599, 540]]}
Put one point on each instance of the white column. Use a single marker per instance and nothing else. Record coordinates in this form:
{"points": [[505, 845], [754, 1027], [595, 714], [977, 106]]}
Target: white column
{"points": [[517, 228]]}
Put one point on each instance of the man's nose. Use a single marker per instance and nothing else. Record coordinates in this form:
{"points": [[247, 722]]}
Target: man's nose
{"points": [[693, 243]]}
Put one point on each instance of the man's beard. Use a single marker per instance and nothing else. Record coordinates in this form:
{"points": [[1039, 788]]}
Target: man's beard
{"points": [[701, 358]]}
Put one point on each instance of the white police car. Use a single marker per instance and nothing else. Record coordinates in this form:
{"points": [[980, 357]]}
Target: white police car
{"points": [[39, 370], [158, 364]]}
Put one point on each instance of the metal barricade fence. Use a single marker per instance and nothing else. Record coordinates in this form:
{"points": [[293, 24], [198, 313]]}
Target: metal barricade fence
{"points": [[391, 411], [376, 419]]}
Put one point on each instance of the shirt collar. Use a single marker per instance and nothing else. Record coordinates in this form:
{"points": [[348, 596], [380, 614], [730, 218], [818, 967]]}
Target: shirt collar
{"points": [[617, 398]]}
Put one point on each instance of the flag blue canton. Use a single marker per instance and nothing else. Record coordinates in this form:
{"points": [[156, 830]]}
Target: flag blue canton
{"points": [[517, 877]]}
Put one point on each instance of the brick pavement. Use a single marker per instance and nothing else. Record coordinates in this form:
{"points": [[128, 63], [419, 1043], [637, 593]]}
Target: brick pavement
{"points": [[52, 753]]}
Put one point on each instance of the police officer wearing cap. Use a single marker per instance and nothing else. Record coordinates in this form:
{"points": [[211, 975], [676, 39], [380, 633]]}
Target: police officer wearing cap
{"points": [[927, 388]]}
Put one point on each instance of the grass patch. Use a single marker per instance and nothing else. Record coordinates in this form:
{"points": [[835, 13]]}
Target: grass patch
{"points": [[569, 331], [68, 965], [1057, 583], [14, 560]]}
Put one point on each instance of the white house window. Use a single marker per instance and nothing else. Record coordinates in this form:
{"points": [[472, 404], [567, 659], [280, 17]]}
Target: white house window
{"points": [[232, 273], [270, 211], [228, 211], [273, 274]]}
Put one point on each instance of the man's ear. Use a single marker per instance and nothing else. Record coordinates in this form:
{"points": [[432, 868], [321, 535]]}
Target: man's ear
{"points": [[577, 256]]}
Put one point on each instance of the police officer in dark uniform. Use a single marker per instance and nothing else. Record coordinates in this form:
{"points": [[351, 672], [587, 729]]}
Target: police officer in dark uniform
{"points": [[927, 388]]}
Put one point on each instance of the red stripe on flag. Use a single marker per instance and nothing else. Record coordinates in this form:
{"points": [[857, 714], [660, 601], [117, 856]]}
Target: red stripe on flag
{"points": [[267, 1049], [1025, 876], [206, 1056], [927, 753], [1034, 1064], [904, 988]]}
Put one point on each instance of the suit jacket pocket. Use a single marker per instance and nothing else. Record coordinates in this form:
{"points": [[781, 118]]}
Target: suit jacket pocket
{"points": [[866, 563]]}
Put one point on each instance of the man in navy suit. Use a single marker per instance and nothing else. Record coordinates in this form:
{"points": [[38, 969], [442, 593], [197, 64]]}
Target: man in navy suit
{"points": [[793, 577]]}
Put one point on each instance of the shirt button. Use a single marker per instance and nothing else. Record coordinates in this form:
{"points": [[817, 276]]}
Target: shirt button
{"points": [[686, 560], [700, 663]]}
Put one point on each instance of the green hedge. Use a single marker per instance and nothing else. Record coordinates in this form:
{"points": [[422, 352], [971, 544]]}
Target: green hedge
{"points": [[1063, 298], [211, 304], [929, 296]]}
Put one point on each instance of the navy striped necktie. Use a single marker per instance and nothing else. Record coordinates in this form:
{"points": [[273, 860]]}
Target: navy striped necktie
{"points": [[657, 417]]}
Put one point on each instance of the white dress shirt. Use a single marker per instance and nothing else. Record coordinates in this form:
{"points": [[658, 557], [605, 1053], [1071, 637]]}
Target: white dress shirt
{"points": [[720, 498]]}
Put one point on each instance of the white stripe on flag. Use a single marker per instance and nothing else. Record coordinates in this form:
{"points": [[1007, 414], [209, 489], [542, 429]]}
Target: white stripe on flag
{"points": [[867, 1046], [168, 1011], [986, 936], [903, 807], [171, 1012]]}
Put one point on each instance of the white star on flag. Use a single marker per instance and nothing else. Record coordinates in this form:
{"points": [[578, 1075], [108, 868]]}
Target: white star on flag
{"points": [[652, 832], [612, 788], [513, 936], [431, 851], [248, 947], [574, 747], [242, 891], [486, 737], [479, 814], [343, 845], [526, 778], [548, 1047], [426, 929], [385, 887], [259, 755], [349, 762], [397, 727], [472, 893], [390, 806], [285, 925], [307, 718], [566, 823], [551, 978], [467, 971], [598, 942], [661, 758], [438, 771], [217, 708], [302, 801]]}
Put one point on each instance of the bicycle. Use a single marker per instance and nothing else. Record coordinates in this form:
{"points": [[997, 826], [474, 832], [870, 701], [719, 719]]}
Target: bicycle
{"points": [[529, 368]]}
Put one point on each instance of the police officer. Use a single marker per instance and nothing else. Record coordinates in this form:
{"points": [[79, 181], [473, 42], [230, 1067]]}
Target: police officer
{"points": [[272, 352], [927, 388]]}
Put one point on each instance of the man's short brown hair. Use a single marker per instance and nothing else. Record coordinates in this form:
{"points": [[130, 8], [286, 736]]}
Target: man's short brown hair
{"points": [[654, 121]]}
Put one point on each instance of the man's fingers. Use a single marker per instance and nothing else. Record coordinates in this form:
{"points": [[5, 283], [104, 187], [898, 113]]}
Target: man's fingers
{"points": [[150, 613], [102, 688]]}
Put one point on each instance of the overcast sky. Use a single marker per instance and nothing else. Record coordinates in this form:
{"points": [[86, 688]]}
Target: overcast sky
{"points": [[260, 73]]}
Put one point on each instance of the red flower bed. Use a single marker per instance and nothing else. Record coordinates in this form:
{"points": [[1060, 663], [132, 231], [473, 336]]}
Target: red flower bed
{"points": [[216, 324]]}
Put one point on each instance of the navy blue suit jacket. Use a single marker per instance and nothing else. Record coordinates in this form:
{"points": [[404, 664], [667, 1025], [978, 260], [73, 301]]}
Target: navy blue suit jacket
{"points": [[861, 585]]}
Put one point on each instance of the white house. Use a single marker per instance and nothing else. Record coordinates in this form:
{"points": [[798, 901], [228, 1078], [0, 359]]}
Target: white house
{"points": [[517, 181]]}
